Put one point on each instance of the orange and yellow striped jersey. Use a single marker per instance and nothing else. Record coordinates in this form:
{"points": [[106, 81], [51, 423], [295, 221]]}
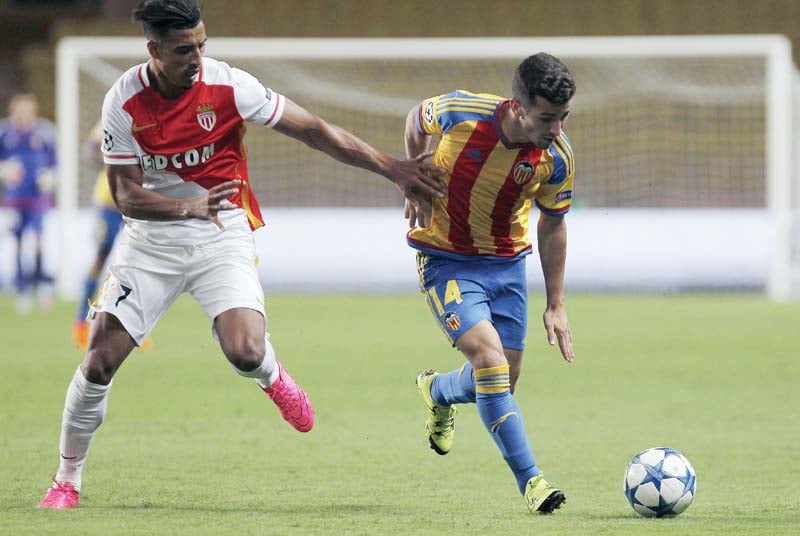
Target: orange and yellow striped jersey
{"points": [[490, 181]]}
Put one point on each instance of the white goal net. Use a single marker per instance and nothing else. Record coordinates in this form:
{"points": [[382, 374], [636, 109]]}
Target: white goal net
{"points": [[658, 124]]}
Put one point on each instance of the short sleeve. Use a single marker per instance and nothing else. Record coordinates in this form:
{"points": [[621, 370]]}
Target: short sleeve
{"points": [[437, 115], [255, 103], [554, 197], [118, 145]]}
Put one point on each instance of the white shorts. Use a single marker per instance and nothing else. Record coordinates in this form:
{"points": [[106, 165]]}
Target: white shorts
{"points": [[146, 278]]}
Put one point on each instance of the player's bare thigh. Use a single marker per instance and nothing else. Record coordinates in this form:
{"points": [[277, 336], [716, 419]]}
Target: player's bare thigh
{"points": [[109, 345], [241, 334], [481, 346]]}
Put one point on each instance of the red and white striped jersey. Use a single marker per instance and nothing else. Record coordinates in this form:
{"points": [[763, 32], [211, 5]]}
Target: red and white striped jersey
{"points": [[190, 144]]}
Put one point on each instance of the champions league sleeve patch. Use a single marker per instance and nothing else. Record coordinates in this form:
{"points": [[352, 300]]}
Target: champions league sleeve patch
{"points": [[429, 117]]}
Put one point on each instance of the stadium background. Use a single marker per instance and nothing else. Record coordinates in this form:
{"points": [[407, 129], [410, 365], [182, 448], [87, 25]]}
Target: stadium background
{"points": [[189, 448], [722, 177], [30, 28]]}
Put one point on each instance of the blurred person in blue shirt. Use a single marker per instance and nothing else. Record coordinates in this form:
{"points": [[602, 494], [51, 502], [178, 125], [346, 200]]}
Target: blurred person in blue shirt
{"points": [[28, 172]]}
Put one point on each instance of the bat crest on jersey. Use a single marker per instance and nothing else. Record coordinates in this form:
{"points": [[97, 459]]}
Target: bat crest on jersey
{"points": [[206, 116], [523, 172]]}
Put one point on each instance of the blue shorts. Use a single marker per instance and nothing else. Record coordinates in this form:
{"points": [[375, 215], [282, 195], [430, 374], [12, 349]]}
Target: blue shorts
{"points": [[461, 293], [108, 228]]}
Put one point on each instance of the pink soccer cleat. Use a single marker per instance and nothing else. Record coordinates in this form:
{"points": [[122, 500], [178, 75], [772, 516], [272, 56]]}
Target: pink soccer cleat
{"points": [[62, 495], [292, 401]]}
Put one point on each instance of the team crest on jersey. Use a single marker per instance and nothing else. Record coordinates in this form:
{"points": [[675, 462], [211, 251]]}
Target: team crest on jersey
{"points": [[206, 116], [523, 172], [452, 320]]}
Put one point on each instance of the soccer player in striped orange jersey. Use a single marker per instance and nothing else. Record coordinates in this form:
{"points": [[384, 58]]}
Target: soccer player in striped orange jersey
{"points": [[501, 156], [177, 169]]}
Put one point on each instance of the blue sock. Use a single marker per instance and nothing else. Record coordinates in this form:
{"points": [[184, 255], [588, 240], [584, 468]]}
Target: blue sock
{"points": [[83, 304], [455, 387], [503, 419]]}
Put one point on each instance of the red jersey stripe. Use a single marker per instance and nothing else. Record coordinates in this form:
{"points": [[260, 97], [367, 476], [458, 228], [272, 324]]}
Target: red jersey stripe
{"points": [[277, 107], [465, 172], [140, 76], [507, 197]]}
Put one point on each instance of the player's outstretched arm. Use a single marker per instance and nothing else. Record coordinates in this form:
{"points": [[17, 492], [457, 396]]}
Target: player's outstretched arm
{"points": [[345, 147], [552, 238], [135, 201]]}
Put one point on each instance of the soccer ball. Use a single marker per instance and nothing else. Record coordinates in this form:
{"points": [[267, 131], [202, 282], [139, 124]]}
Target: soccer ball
{"points": [[660, 482]]}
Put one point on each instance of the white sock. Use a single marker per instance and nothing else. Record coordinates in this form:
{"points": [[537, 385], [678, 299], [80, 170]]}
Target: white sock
{"points": [[267, 372], [84, 410]]}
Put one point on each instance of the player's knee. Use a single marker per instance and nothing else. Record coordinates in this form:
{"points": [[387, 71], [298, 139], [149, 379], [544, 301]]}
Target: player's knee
{"points": [[246, 353], [98, 367], [484, 356]]}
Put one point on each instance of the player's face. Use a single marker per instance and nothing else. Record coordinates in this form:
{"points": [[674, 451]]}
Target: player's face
{"points": [[178, 56], [23, 112], [541, 122]]}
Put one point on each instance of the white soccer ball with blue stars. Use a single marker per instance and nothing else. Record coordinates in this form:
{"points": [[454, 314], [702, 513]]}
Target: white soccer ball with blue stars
{"points": [[660, 482]]}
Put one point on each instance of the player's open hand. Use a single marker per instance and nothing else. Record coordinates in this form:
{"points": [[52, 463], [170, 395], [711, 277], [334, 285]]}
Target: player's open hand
{"points": [[558, 330], [418, 210], [208, 206], [418, 174]]}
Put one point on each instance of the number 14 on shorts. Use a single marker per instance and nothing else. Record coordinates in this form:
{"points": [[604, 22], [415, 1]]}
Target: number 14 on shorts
{"points": [[451, 294]]}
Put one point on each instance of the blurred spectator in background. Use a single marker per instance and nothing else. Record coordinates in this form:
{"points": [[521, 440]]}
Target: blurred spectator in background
{"points": [[28, 172]]}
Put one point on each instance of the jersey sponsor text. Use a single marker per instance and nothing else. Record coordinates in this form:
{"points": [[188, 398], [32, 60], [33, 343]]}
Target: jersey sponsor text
{"points": [[192, 157]]}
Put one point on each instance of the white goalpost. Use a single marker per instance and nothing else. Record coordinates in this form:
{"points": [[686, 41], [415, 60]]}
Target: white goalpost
{"points": [[686, 177]]}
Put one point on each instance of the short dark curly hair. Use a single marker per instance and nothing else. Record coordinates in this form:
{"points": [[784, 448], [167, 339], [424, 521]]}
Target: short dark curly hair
{"points": [[158, 17], [545, 76]]}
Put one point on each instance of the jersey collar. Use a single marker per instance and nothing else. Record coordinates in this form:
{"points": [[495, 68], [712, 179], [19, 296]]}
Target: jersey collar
{"points": [[144, 74]]}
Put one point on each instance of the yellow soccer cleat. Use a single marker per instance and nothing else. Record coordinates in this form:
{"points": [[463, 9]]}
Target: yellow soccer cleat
{"points": [[440, 427], [542, 497]]}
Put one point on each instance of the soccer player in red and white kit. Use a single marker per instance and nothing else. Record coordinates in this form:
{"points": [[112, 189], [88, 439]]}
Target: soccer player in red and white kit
{"points": [[177, 170]]}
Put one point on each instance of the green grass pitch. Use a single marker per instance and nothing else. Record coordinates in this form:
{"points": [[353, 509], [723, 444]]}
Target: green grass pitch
{"points": [[189, 447]]}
